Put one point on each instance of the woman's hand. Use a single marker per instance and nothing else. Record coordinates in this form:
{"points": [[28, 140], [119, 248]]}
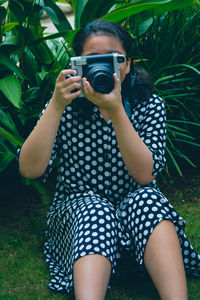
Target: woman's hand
{"points": [[63, 95], [110, 102]]}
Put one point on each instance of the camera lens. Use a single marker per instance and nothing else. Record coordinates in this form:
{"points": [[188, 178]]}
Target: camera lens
{"points": [[101, 78]]}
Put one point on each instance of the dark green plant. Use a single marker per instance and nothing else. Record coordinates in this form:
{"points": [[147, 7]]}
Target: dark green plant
{"points": [[30, 60], [170, 45], [29, 65]]}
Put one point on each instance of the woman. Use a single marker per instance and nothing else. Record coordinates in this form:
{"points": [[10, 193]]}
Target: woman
{"points": [[110, 148]]}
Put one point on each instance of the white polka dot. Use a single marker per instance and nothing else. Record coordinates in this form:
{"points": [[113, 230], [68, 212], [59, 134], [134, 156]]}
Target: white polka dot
{"points": [[144, 195], [151, 216], [96, 249]]}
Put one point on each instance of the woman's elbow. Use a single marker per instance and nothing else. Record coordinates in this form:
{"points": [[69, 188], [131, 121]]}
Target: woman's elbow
{"points": [[144, 179], [30, 172]]}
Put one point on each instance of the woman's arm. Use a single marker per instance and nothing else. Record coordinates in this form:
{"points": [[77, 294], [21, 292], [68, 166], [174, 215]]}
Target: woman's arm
{"points": [[36, 151], [136, 155]]}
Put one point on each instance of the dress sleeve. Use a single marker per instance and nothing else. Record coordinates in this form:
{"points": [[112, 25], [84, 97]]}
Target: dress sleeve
{"points": [[54, 160], [153, 131]]}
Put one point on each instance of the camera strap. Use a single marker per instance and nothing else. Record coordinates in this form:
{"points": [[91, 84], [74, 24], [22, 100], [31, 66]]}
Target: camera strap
{"points": [[126, 99], [126, 105]]}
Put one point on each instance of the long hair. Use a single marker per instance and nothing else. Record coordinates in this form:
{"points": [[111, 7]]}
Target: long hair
{"points": [[137, 85]]}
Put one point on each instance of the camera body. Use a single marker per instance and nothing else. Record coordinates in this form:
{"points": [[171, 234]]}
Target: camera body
{"points": [[99, 70]]}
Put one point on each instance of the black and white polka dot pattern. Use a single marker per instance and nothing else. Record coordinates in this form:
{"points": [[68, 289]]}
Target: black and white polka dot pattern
{"points": [[98, 207], [140, 212], [85, 225]]}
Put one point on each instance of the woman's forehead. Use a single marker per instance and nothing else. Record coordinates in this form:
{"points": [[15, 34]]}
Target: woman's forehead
{"points": [[99, 44]]}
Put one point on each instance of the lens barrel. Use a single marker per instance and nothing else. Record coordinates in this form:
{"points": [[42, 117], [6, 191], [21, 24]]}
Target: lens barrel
{"points": [[100, 77]]}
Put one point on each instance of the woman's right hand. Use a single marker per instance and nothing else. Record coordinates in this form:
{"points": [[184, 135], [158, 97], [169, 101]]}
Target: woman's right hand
{"points": [[63, 94]]}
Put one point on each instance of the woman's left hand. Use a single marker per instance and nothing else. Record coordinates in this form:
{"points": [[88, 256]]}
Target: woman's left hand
{"points": [[110, 102]]}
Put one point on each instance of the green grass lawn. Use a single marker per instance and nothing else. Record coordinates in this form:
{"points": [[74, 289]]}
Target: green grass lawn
{"points": [[23, 271]]}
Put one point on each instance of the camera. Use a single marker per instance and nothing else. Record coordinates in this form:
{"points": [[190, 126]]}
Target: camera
{"points": [[99, 70]]}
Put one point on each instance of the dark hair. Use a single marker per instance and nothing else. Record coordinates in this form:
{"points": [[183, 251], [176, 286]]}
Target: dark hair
{"points": [[137, 85], [101, 27]]}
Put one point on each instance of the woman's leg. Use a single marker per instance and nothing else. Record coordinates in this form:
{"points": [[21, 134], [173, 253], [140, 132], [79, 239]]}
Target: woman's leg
{"points": [[163, 260], [91, 277]]}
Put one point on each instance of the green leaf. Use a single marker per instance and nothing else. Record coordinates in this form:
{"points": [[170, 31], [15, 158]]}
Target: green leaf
{"points": [[168, 77], [163, 9], [187, 66], [63, 23], [74, 2], [185, 122], [52, 15], [136, 7], [6, 121], [11, 88], [174, 161], [175, 127], [2, 1], [177, 133], [40, 76], [12, 138], [174, 5], [188, 142], [31, 94], [7, 27], [2, 14], [4, 60], [182, 155], [67, 34], [143, 27], [61, 1], [10, 41], [170, 142], [5, 160], [96, 10], [6, 156], [78, 11]]}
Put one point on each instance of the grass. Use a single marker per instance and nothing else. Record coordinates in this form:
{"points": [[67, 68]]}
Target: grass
{"points": [[23, 271]]}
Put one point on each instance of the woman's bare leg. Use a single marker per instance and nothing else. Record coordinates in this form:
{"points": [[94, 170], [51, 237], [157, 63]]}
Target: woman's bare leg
{"points": [[91, 277], [163, 260]]}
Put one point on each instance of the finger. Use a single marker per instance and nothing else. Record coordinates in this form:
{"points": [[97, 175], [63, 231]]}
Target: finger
{"points": [[73, 87], [75, 95], [72, 79], [116, 82], [72, 92], [87, 89], [63, 73]]}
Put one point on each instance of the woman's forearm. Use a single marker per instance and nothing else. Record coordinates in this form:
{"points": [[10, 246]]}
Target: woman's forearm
{"points": [[36, 151], [136, 155]]}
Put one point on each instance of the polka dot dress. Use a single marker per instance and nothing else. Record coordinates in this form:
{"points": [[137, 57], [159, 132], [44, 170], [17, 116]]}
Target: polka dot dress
{"points": [[98, 207]]}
